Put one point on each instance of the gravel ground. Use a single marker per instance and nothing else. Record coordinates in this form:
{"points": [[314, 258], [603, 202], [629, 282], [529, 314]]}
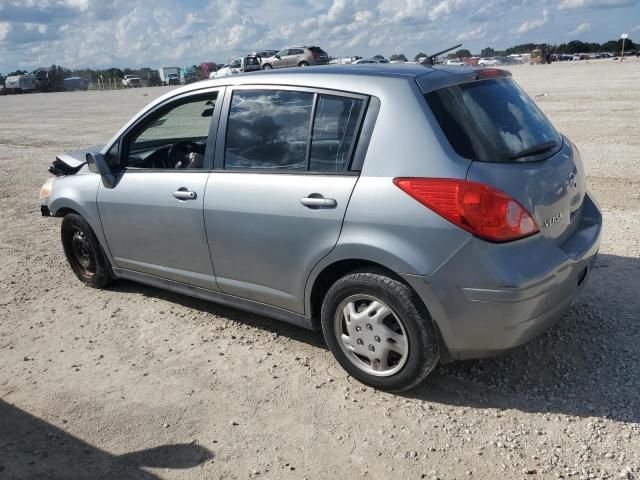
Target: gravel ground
{"points": [[134, 382]]}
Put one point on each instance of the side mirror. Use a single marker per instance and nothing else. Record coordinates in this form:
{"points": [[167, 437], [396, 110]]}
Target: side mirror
{"points": [[278, 56], [98, 164]]}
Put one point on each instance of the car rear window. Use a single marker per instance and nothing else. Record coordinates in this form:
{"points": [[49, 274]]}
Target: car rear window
{"points": [[493, 121], [317, 50]]}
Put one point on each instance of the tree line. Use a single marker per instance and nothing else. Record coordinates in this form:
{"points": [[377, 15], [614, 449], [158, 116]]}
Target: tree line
{"points": [[574, 46]]}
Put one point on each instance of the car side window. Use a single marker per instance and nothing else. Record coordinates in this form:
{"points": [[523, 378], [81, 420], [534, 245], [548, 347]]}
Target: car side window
{"points": [[268, 129], [334, 132], [174, 138], [235, 63], [296, 51], [283, 53]]}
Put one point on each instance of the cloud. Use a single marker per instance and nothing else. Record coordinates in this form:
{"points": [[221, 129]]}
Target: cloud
{"points": [[572, 4], [529, 25], [583, 27], [474, 34], [104, 33]]}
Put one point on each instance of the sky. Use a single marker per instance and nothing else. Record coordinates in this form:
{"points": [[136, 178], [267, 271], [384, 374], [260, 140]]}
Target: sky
{"points": [[137, 33]]}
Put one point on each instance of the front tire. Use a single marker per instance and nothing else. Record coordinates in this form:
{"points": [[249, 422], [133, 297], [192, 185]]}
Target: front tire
{"points": [[379, 331], [83, 252], [267, 66]]}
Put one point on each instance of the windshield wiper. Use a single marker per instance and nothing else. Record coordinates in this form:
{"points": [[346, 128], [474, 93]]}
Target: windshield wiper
{"points": [[535, 150]]}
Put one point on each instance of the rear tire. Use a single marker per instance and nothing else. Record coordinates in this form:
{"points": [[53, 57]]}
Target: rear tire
{"points": [[84, 253], [303, 64], [379, 331]]}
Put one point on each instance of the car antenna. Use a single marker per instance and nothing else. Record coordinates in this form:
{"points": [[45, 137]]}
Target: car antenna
{"points": [[431, 58]]}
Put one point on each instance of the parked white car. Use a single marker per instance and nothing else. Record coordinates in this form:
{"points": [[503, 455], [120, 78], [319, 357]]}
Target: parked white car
{"points": [[488, 62], [456, 63]]}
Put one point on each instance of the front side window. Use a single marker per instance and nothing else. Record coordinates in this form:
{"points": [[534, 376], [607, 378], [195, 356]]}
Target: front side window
{"points": [[268, 129], [175, 138]]}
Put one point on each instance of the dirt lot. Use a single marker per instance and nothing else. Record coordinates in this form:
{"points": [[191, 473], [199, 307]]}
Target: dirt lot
{"points": [[133, 382]]}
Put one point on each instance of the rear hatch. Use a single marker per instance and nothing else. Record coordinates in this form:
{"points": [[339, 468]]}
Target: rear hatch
{"points": [[319, 55], [514, 148]]}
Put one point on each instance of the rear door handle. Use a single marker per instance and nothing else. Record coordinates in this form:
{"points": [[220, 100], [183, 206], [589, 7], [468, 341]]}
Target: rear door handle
{"points": [[316, 202], [184, 194]]}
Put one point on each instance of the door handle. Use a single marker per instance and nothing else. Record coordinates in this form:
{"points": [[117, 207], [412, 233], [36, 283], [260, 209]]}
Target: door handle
{"points": [[184, 194], [316, 201]]}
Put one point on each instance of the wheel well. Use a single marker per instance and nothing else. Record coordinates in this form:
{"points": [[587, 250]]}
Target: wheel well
{"points": [[337, 270], [64, 211]]}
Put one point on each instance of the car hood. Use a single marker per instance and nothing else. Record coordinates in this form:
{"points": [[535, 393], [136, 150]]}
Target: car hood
{"points": [[73, 162]]}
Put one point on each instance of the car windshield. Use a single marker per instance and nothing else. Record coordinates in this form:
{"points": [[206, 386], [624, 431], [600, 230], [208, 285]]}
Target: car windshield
{"points": [[493, 121]]}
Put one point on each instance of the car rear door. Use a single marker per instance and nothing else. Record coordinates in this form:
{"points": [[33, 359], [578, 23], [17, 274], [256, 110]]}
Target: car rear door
{"points": [[275, 203], [152, 218]]}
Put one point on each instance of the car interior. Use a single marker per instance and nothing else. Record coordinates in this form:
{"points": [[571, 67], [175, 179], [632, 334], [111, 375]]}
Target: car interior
{"points": [[162, 142]]}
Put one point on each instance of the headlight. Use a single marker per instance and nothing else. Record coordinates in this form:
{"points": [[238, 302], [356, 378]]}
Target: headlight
{"points": [[47, 188]]}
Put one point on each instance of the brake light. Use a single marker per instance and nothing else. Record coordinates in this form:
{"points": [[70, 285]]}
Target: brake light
{"points": [[480, 209]]}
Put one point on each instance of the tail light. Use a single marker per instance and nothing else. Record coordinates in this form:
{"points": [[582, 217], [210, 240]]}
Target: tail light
{"points": [[480, 209]]}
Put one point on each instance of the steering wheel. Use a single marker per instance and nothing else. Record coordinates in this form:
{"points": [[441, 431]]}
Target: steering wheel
{"points": [[179, 151]]}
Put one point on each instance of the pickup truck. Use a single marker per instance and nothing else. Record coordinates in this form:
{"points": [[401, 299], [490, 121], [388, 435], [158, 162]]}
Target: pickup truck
{"points": [[131, 81], [250, 63]]}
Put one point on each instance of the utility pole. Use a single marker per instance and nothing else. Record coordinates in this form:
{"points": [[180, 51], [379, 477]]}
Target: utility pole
{"points": [[624, 37]]}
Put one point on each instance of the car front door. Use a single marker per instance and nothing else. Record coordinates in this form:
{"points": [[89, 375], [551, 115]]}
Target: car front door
{"points": [[275, 203], [152, 218], [281, 58]]}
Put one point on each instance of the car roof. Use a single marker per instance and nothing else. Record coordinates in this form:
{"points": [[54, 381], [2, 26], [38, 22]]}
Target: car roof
{"points": [[370, 79]]}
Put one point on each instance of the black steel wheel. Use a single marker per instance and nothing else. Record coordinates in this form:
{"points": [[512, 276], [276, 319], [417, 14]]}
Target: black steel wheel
{"points": [[84, 253]]}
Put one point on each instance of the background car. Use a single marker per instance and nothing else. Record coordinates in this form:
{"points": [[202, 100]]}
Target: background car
{"points": [[296, 57], [249, 63], [131, 81], [265, 53], [370, 60], [488, 62], [456, 63]]}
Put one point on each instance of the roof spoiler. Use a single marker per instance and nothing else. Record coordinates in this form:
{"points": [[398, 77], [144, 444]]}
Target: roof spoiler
{"points": [[431, 58]]}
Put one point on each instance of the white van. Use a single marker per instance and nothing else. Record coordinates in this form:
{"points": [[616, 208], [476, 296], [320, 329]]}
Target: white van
{"points": [[20, 83]]}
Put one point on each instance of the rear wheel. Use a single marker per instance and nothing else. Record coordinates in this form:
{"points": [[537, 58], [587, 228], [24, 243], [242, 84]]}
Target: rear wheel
{"points": [[379, 331], [303, 64], [83, 252]]}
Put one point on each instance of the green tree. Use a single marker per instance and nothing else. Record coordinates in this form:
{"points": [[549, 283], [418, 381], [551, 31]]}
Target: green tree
{"points": [[398, 57], [463, 53], [488, 52], [378, 57], [420, 56]]}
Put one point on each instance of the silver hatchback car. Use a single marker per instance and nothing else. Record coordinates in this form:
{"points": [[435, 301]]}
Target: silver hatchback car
{"points": [[416, 214]]}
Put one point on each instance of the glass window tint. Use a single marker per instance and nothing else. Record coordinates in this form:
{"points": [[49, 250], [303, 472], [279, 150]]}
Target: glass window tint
{"points": [[268, 129], [188, 121], [492, 121], [334, 130]]}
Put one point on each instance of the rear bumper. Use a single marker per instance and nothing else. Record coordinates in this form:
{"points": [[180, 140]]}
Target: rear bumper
{"points": [[489, 298]]}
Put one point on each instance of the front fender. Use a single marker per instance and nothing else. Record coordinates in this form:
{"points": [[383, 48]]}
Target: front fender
{"points": [[79, 194]]}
